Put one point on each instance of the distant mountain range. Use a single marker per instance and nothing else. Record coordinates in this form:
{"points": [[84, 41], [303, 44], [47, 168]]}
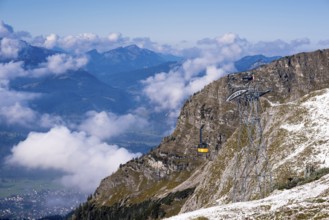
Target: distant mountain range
{"points": [[125, 67], [109, 82], [31, 55], [125, 59], [74, 93]]}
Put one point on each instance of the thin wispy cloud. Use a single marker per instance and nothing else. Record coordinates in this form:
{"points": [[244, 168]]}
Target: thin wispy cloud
{"points": [[81, 43], [14, 108], [55, 64], [324, 42], [279, 47]]}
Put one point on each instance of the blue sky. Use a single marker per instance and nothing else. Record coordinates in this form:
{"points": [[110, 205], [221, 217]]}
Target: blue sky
{"points": [[172, 21]]}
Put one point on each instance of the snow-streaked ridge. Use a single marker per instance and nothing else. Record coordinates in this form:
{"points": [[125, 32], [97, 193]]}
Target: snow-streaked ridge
{"points": [[310, 131], [302, 198]]}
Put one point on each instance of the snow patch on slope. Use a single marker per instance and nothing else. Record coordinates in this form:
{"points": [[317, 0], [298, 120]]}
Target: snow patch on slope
{"points": [[312, 196], [313, 128]]}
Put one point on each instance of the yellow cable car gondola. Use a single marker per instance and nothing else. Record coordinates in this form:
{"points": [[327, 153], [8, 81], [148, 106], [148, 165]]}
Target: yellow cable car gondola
{"points": [[202, 146], [203, 150]]}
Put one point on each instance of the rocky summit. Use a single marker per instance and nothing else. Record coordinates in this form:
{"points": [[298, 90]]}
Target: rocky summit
{"points": [[173, 178]]}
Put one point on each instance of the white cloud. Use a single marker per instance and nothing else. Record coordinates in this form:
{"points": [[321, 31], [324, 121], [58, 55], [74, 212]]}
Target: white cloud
{"points": [[12, 70], [228, 38], [268, 48], [224, 40], [113, 37], [14, 109], [10, 97], [49, 121], [81, 155], [55, 64], [81, 43], [105, 125], [85, 160], [18, 114], [167, 91], [85, 42], [50, 41], [212, 74], [279, 47], [60, 63], [9, 48]]}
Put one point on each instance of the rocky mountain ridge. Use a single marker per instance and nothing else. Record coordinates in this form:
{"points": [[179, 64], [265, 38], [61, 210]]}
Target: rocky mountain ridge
{"points": [[124, 59], [297, 137], [173, 178]]}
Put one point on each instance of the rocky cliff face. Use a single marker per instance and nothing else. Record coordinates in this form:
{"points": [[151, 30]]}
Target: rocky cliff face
{"points": [[298, 148], [173, 178]]}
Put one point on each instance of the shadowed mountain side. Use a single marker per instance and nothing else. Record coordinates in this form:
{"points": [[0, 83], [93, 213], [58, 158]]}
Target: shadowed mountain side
{"points": [[124, 59], [31, 55], [131, 80], [74, 93]]}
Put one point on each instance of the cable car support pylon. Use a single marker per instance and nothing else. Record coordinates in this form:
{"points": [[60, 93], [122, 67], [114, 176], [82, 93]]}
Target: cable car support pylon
{"points": [[251, 162]]}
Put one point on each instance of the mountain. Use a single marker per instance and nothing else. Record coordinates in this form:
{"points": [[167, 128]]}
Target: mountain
{"points": [[31, 55], [73, 94], [70, 95], [252, 62], [124, 59], [173, 178], [131, 79]]}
